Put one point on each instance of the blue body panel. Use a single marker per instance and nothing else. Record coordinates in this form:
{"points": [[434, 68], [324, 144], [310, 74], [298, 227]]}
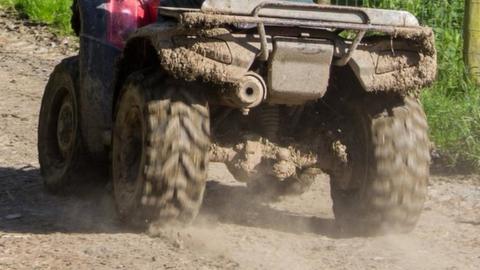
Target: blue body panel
{"points": [[97, 71]]}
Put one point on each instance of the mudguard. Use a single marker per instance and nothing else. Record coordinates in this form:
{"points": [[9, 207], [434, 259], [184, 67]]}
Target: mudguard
{"points": [[214, 55], [404, 63]]}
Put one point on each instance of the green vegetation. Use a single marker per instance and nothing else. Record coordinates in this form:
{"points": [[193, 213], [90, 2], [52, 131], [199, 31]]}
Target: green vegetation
{"points": [[54, 12], [452, 104]]}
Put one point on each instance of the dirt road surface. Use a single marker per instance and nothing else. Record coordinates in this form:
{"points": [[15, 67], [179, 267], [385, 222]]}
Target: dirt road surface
{"points": [[234, 229]]}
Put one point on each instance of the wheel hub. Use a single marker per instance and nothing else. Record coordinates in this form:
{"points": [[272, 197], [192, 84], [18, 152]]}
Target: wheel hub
{"points": [[66, 128]]}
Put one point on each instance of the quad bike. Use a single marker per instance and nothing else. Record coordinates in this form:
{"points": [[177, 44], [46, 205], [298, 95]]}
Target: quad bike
{"points": [[279, 91]]}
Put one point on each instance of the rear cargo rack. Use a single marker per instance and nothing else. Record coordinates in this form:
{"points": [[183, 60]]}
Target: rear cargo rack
{"points": [[289, 14], [285, 5], [290, 6]]}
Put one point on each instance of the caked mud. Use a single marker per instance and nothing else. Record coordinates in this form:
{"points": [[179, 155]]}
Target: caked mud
{"points": [[414, 72], [402, 60]]}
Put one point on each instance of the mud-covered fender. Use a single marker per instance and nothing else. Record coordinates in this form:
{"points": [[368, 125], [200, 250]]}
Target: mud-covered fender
{"points": [[404, 63], [213, 55]]}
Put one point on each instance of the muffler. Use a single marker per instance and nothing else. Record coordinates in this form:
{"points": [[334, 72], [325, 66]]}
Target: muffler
{"points": [[246, 93]]}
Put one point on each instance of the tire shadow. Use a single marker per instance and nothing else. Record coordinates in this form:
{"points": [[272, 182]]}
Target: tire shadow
{"points": [[26, 207], [236, 205]]}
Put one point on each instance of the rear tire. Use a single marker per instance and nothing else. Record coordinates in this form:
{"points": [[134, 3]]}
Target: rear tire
{"points": [[60, 146], [160, 151], [388, 167]]}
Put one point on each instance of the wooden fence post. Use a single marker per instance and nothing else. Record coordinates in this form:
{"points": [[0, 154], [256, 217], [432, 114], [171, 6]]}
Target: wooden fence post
{"points": [[471, 47]]}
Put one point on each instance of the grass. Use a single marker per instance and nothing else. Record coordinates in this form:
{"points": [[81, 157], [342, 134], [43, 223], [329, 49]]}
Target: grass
{"points": [[53, 12], [452, 104]]}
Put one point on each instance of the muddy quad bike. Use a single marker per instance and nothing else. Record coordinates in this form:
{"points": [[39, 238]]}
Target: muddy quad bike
{"points": [[284, 90]]}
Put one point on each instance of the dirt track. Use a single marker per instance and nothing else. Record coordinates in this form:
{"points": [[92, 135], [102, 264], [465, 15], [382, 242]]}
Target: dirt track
{"points": [[233, 231]]}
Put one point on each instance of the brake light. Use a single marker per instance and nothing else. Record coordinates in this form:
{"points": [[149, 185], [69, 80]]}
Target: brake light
{"points": [[151, 6], [128, 15]]}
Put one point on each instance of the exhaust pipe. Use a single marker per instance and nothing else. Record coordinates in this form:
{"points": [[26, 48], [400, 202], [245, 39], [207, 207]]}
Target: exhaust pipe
{"points": [[248, 92]]}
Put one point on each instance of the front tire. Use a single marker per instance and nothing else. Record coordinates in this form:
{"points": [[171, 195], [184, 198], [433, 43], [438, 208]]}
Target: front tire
{"points": [[160, 151], [60, 147], [388, 167]]}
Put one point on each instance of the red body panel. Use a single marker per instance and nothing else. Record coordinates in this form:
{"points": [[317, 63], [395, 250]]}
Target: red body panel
{"points": [[128, 15]]}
